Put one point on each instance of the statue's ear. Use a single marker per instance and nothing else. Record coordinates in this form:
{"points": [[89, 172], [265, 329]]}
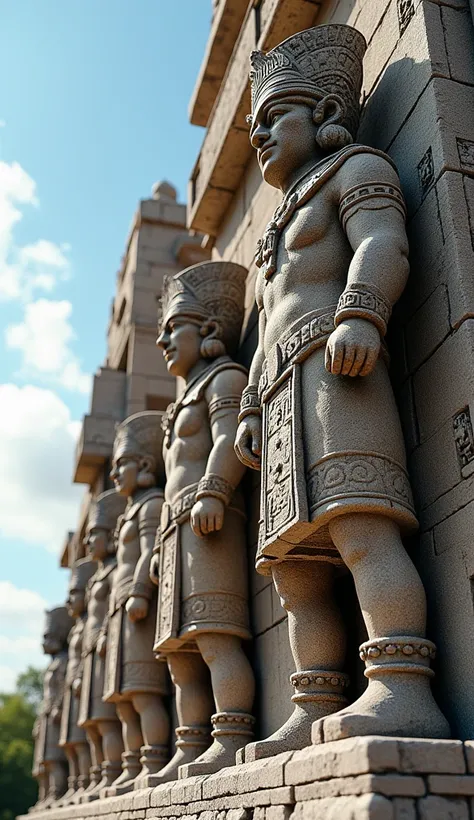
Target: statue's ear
{"points": [[212, 345], [329, 114]]}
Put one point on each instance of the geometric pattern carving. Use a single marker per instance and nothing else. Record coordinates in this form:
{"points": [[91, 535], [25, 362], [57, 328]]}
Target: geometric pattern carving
{"points": [[464, 439], [466, 152], [426, 171], [406, 10]]}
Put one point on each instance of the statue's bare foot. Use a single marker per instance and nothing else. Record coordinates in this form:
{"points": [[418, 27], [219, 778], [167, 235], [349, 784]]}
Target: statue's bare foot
{"points": [[399, 705], [231, 731], [153, 760], [183, 756]]}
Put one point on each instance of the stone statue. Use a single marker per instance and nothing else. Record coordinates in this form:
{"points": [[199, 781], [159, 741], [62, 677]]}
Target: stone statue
{"points": [[50, 763], [99, 719], [72, 737], [203, 610], [319, 416], [134, 681]]}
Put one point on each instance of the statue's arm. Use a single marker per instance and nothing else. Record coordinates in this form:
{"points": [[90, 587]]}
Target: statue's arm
{"points": [[224, 471], [372, 214], [142, 588], [248, 440]]}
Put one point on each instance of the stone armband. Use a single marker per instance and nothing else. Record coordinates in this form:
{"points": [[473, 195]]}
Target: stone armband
{"points": [[231, 402], [214, 485], [362, 301], [141, 590], [249, 403]]}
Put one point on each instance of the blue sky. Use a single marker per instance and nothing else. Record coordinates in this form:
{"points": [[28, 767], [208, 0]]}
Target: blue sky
{"points": [[93, 111]]}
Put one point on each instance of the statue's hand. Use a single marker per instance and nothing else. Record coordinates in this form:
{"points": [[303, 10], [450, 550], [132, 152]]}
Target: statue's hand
{"points": [[77, 686], [248, 441], [207, 515], [56, 714], [155, 569], [101, 645], [353, 348], [137, 608]]}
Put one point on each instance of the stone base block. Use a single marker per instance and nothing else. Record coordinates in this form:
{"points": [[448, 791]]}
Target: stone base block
{"points": [[365, 778]]}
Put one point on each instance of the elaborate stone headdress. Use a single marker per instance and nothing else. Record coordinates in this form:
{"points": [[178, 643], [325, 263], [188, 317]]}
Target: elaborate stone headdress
{"points": [[207, 291], [105, 510], [310, 64], [141, 435], [58, 623], [81, 572]]}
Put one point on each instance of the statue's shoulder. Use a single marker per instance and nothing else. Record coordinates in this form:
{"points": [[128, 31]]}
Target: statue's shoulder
{"points": [[365, 166], [227, 380], [151, 507], [143, 506]]}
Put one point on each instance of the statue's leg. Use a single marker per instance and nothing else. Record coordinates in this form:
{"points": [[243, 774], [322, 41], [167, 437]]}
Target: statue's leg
{"points": [[155, 725], [84, 764], [73, 775], [233, 686], [398, 699], [112, 746], [318, 645], [57, 781], [97, 759], [42, 779], [132, 741], [194, 705]]}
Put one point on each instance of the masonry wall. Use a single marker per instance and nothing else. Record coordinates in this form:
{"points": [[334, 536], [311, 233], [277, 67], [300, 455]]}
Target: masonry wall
{"points": [[419, 108]]}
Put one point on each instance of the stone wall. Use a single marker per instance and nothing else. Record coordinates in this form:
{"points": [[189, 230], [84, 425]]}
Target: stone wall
{"points": [[357, 779], [418, 107]]}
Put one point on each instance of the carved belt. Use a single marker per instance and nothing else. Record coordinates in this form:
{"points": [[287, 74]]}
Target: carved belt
{"points": [[297, 343], [180, 509], [122, 592]]}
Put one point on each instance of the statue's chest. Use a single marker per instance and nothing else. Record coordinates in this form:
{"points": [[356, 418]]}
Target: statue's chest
{"points": [[189, 421], [308, 227], [129, 531], [100, 591]]}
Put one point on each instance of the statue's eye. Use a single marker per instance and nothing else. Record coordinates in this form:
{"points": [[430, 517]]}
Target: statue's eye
{"points": [[274, 117]]}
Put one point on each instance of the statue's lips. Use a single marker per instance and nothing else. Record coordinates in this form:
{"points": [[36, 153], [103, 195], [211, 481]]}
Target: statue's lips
{"points": [[263, 151]]}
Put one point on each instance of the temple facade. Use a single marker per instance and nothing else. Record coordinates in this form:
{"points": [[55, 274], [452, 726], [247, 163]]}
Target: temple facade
{"points": [[417, 114]]}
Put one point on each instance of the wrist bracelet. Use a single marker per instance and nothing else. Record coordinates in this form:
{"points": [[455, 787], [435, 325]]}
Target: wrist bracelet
{"points": [[140, 590], [249, 403], [214, 485], [361, 301]]}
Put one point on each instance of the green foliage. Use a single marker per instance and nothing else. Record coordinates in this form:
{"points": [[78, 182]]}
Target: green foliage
{"points": [[30, 685], [17, 716]]}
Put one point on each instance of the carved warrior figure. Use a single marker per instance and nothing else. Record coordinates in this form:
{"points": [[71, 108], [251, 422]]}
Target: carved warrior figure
{"points": [[318, 415], [50, 765], [100, 719], [72, 737], [134, 681], [203, 611]]}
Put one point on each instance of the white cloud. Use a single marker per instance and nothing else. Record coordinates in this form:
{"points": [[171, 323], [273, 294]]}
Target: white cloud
{"points": [[30, 268], [21, 628], [38, 502], [44, 338]]}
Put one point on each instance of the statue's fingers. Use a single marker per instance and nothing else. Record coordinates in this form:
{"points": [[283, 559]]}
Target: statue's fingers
{"points": [[256, 444], [348, 361], [204, 524], [370, 362], [337, 359], [360, 357], [327, 358]]}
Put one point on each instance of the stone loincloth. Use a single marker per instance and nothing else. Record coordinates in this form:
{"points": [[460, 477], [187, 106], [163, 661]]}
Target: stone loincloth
{"points": [[332, 445], [201, 579], [130, 666]]}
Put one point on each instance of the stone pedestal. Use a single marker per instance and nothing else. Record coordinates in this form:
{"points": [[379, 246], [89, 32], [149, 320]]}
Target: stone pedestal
{"points": [[356, 779]]}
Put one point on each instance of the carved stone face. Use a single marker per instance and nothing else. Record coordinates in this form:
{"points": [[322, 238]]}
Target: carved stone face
{"points": [[284, 136], [180, 341], [97, 543], [75, 602], [124, 474], [51, 644]]}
